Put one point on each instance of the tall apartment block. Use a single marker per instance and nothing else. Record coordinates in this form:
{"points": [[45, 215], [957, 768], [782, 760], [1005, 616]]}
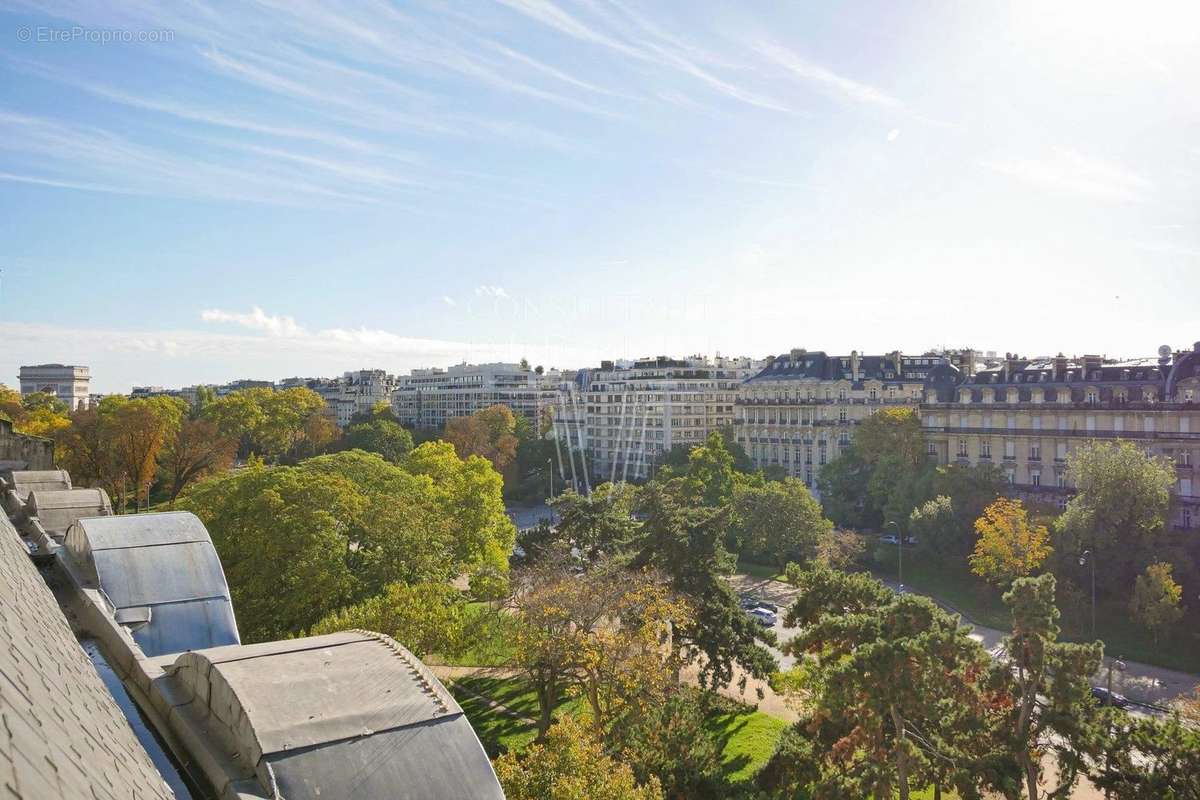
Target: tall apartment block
{"points": [[800, 411], [426, 398], [1027, 415], [637, 412], [66, 382]]}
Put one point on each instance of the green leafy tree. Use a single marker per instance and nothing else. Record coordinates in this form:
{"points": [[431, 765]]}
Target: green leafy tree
{"points": [[891, 433], [1156, 599], [468, 494], [281, 533], [709, 477], [270, 423], [896, 683], [882, 476], [1148, 759], [843, 483], [570, 765], [1009, 546], [599, 523], [782, 521], [299, 542], [936, 527], [426, 618], [1120, 510], [687, 544], [671, 742], [676, 460], [44, 400], [381, 436], [971, 489], [1049, 682]]}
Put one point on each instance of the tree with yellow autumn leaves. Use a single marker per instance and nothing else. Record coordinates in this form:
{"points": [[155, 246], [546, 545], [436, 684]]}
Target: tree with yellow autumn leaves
{"points": [[1009, 545]]}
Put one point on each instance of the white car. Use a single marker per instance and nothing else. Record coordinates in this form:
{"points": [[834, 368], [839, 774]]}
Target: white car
{"points": [[764, 617], [889, 538]]}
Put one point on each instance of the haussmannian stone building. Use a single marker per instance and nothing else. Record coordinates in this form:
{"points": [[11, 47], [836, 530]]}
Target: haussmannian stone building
{"points": [[1027, 415], [800, 411]]}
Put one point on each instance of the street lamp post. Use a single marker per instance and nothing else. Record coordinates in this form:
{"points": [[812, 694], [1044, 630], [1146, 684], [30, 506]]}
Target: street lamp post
{"points": [[899, 554], [1087, 558], [550, 472]]}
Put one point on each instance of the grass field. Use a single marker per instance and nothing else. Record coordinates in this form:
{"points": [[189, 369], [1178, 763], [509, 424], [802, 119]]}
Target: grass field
{"points": [[747, 737], [500, 732], [761, 571], [748, 740]]}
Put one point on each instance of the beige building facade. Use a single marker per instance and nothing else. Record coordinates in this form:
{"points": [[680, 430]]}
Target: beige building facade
{"points": [[800, 411], [1027, 415]]}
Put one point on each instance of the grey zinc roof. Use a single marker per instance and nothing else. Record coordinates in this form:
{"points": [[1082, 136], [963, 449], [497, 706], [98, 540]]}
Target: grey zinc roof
{"points": [[348, 715], [63, 735], [57, 510], [163, 562], [26, 481]]}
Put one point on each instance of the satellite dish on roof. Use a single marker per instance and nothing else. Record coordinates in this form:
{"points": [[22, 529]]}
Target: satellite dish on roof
{"points": [[1164, 351]]}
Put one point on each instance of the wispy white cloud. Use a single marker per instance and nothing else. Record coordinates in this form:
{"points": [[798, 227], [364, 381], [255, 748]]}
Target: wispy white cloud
{"points": [[448, 300], [646, 42], [1068, 171], [824, 78], [256, 320]]}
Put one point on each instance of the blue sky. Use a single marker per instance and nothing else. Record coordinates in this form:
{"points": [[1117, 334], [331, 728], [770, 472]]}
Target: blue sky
{"points": [[289, 187]]}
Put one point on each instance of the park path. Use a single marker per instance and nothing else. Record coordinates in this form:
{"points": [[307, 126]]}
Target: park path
{"points": [[1142, 683]]}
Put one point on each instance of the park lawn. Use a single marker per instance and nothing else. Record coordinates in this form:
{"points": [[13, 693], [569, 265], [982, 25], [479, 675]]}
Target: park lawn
{"points": [[760, 571], [748, 740], [981, 604], [500, 732], [747, 737]]}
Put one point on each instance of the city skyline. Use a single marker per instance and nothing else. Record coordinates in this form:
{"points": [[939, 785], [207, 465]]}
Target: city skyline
{"points": [[305, 190]]}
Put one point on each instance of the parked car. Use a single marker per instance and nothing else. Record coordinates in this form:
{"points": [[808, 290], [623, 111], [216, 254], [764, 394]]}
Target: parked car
{"points": [[774, 609], [1109, 698], [748, 601], [763, 617], [889, 538]]}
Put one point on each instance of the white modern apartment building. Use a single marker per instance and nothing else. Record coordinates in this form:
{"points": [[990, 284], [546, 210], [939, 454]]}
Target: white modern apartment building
{"points": [[69, 383], [636, 413], [426, 398]]}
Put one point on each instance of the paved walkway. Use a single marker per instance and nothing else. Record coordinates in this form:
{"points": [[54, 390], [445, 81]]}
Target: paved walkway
{"points": [[1143, 683]]}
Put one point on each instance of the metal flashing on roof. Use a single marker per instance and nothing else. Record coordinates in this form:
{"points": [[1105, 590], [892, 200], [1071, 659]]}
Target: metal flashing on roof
{"points": [[351, 714], [165, 562]]}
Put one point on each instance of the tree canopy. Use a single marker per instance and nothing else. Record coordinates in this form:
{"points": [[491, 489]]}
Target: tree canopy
{"points": [[299, 542], [781, 521], [1120, 510], [1009, 546]]}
